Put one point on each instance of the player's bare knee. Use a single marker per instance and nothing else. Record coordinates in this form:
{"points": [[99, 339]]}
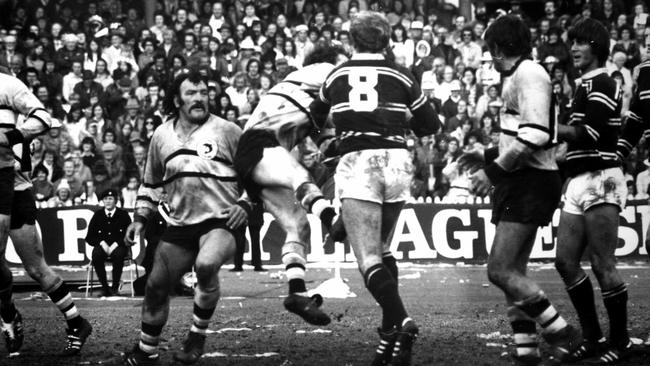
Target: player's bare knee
{"points": [[602, 266], [206, 272], [497, 274], [566, 266]]}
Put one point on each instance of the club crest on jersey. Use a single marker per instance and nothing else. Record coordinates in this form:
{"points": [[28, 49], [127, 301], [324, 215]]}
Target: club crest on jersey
{"points": [[206, 149]]}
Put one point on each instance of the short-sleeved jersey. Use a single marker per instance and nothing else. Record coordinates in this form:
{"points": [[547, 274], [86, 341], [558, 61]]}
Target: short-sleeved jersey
{"points": [[15, 100], [638, 121], [368, 97], [596, 112], [197, 175], [285, 108]]}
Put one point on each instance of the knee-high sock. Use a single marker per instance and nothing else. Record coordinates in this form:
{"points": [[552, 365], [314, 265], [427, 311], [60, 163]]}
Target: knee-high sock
{"points": [[201, 319], [60, 296], [150, 337], [615, 301], [540, 308], [524, 332], [383, 288], [582, 297], [389, 261]]}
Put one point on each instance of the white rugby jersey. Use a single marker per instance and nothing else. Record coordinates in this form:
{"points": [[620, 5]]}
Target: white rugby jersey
{"points": [[285, 108], [528, 131], [15, 100], [197, 175]]}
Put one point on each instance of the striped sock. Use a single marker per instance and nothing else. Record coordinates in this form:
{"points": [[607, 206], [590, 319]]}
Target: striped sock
{"points": [[295, 270], [149, 338], [582, 297], [616, 304], [524, 332], [60, 296], [542, 311], [200, 319]]}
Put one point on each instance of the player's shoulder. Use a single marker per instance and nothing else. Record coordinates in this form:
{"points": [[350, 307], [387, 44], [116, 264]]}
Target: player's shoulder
{"points": [[529, 70], [604, 83], [224, 126]]}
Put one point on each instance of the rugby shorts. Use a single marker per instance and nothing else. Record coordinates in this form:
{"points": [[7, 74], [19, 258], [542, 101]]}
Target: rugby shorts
{"points": [[375, 175], [527, 196], [23, 210], [189, 236], [7, 177], [605, 186]]}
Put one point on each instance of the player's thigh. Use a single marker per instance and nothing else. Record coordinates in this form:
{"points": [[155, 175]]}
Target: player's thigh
{"points": [[571, 240], [363, 220], [513, 242], [216, 247], [171, 262], [279, 168]]}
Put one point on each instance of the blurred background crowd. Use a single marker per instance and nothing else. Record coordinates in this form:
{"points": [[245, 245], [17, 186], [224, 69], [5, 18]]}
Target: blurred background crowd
{"points": [[102, 73]]}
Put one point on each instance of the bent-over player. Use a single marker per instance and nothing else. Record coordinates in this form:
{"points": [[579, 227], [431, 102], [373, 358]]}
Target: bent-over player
{"points": [[272, 175], [190, 157], [369, 97]]}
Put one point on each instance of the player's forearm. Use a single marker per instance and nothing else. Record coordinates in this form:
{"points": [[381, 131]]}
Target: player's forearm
{"points": [[571, 134], [506, 160]]}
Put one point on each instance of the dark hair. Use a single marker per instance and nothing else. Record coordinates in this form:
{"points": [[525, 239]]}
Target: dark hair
{"points": [[174, 90], [324, 53], [404, 33], [511, 35], [628, 28], [595, 34]]}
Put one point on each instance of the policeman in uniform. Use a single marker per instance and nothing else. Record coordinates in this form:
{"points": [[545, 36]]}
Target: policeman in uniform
{"points": [[106, 234]]}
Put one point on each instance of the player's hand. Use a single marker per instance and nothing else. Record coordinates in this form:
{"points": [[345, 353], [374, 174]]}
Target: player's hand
{"points": [[237, 216], [4, 141], [480, 183], [135, 229]]}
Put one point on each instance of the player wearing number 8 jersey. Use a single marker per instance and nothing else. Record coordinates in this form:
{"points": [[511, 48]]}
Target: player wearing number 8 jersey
{"points": [[369, 97]]}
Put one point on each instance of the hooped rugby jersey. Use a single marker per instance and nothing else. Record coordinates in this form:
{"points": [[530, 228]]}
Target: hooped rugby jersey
{"points": [[638, 118], [369, 98], [197, 175], [16, 100], [285, 108], [596, 112], [528, 130]]}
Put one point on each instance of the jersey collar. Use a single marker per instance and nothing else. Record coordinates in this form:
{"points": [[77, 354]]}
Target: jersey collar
{"points": [[593, 73]]}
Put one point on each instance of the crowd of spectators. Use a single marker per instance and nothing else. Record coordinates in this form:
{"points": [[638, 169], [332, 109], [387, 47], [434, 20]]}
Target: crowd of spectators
{"points": [[102, 73]]}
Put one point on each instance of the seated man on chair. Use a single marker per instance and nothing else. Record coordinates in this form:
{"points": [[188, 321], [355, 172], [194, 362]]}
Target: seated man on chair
{"points": [[106, 234]]}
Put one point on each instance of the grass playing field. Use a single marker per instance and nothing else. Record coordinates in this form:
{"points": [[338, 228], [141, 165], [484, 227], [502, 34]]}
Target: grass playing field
{"points": [[461, 320]]}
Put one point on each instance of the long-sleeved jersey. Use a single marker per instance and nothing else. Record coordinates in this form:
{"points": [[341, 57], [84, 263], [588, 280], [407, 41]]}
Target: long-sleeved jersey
{"points": [[369, 98], [638, 119], [16, 100], [285, 108], [596, 112], [528, 131], [197, 175]]}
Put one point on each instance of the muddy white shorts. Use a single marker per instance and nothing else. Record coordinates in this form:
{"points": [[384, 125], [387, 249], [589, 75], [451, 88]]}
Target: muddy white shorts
{"points": [[595, 188], [377, 175]]}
